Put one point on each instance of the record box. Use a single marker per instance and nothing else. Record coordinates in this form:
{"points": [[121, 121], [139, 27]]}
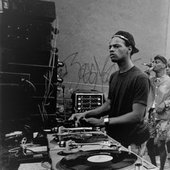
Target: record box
{"points": [[92, 150]]}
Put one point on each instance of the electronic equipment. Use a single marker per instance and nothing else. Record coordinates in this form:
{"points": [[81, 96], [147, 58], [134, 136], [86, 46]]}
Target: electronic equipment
{"points": [[27, 151], [84, 101], [16, 102], [11, 78], [97, 159], [87, 148]]}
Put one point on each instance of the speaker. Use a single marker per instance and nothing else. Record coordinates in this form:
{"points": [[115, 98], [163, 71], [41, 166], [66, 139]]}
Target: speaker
{"points": [[37, 9], [15, 96], [22, 32], [44, 10]]}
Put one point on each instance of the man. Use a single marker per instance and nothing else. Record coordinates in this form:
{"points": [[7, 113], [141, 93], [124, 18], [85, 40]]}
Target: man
{"points": [[168, 68], [168, 142], [127, 97], [160, 92]]}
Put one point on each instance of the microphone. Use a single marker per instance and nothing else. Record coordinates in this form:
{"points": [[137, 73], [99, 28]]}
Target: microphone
{"points": [[150, 68], [148, 64]]}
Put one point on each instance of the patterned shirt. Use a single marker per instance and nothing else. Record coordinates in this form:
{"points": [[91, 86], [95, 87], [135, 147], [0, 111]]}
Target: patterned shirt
{"points": [[160, 92]]}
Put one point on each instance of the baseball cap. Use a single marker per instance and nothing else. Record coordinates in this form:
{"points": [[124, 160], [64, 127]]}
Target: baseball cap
{"points": [[127, 37], [163, 59]]}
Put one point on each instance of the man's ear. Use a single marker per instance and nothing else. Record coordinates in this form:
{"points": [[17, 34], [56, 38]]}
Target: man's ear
{"points": [[130, 49]]}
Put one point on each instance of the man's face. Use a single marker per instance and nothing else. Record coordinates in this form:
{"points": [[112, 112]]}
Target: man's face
{"points": [[158, 65], [118, 50]]}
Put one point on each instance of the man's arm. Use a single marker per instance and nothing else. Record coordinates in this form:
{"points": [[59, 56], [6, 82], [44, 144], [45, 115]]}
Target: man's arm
{"points": [[137, 115], [105, 107], [97, 111], [164, 105]]}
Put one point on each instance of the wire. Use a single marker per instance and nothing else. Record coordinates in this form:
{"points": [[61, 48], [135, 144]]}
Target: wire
{"points": [[49, 88], [141, 159]]}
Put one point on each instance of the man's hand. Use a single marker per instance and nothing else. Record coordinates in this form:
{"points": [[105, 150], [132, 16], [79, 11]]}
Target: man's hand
{"points": [[77, 116], [95, 121]]}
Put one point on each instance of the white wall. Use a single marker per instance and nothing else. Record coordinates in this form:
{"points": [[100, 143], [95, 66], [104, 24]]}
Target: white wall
{"points": [[86, 27], [168, 34]]}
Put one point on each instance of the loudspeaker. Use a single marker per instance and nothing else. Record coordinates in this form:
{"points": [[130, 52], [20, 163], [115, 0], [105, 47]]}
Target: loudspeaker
{"points": [[37, 9], [22, 32], [15, 96], [44, 10]]}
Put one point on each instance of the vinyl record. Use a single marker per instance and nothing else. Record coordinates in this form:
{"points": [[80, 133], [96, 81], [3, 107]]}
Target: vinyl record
{"points": [[97, 160], [85, 137]]}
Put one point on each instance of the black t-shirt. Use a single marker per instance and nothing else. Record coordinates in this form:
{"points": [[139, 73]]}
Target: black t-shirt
{"points": [[125, 89]]}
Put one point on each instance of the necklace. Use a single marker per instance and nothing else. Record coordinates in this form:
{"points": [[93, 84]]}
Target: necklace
{"points": [[158, 80]]}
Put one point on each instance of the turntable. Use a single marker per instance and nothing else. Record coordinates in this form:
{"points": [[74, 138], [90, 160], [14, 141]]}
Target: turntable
{"points": [[97, 159], [81, 135], [82, 149]]}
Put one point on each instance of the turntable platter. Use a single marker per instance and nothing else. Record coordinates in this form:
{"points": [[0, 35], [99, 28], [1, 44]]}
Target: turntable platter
{"points": [[85, 137], [89, 160]]}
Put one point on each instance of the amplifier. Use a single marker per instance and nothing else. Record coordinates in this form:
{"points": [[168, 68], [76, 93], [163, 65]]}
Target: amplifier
{"points": [[87, 101], [39, 9]]}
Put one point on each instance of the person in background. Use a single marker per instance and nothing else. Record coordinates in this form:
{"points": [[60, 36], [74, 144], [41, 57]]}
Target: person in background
{"points": [[127, 97], [168, 142], [160, 93], [168, 68]]}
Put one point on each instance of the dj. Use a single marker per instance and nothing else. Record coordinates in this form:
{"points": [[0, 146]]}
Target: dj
{"points": [[127, 98]]}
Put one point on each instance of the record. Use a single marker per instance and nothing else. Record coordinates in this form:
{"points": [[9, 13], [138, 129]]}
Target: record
{"points": [[85, 137], [97, 160]]}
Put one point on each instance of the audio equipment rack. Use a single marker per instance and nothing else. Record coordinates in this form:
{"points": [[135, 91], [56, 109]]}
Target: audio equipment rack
{"points": [[87, 101]]}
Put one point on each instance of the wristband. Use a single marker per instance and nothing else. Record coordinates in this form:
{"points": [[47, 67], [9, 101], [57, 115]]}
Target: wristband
{"points": [[106, 121], [166, 105]]}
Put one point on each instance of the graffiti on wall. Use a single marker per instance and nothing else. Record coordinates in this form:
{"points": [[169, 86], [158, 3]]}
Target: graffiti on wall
{"points": [[88, 73]]}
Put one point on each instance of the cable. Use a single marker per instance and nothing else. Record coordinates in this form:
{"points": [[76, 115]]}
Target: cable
{"points": [[141, 159]]}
